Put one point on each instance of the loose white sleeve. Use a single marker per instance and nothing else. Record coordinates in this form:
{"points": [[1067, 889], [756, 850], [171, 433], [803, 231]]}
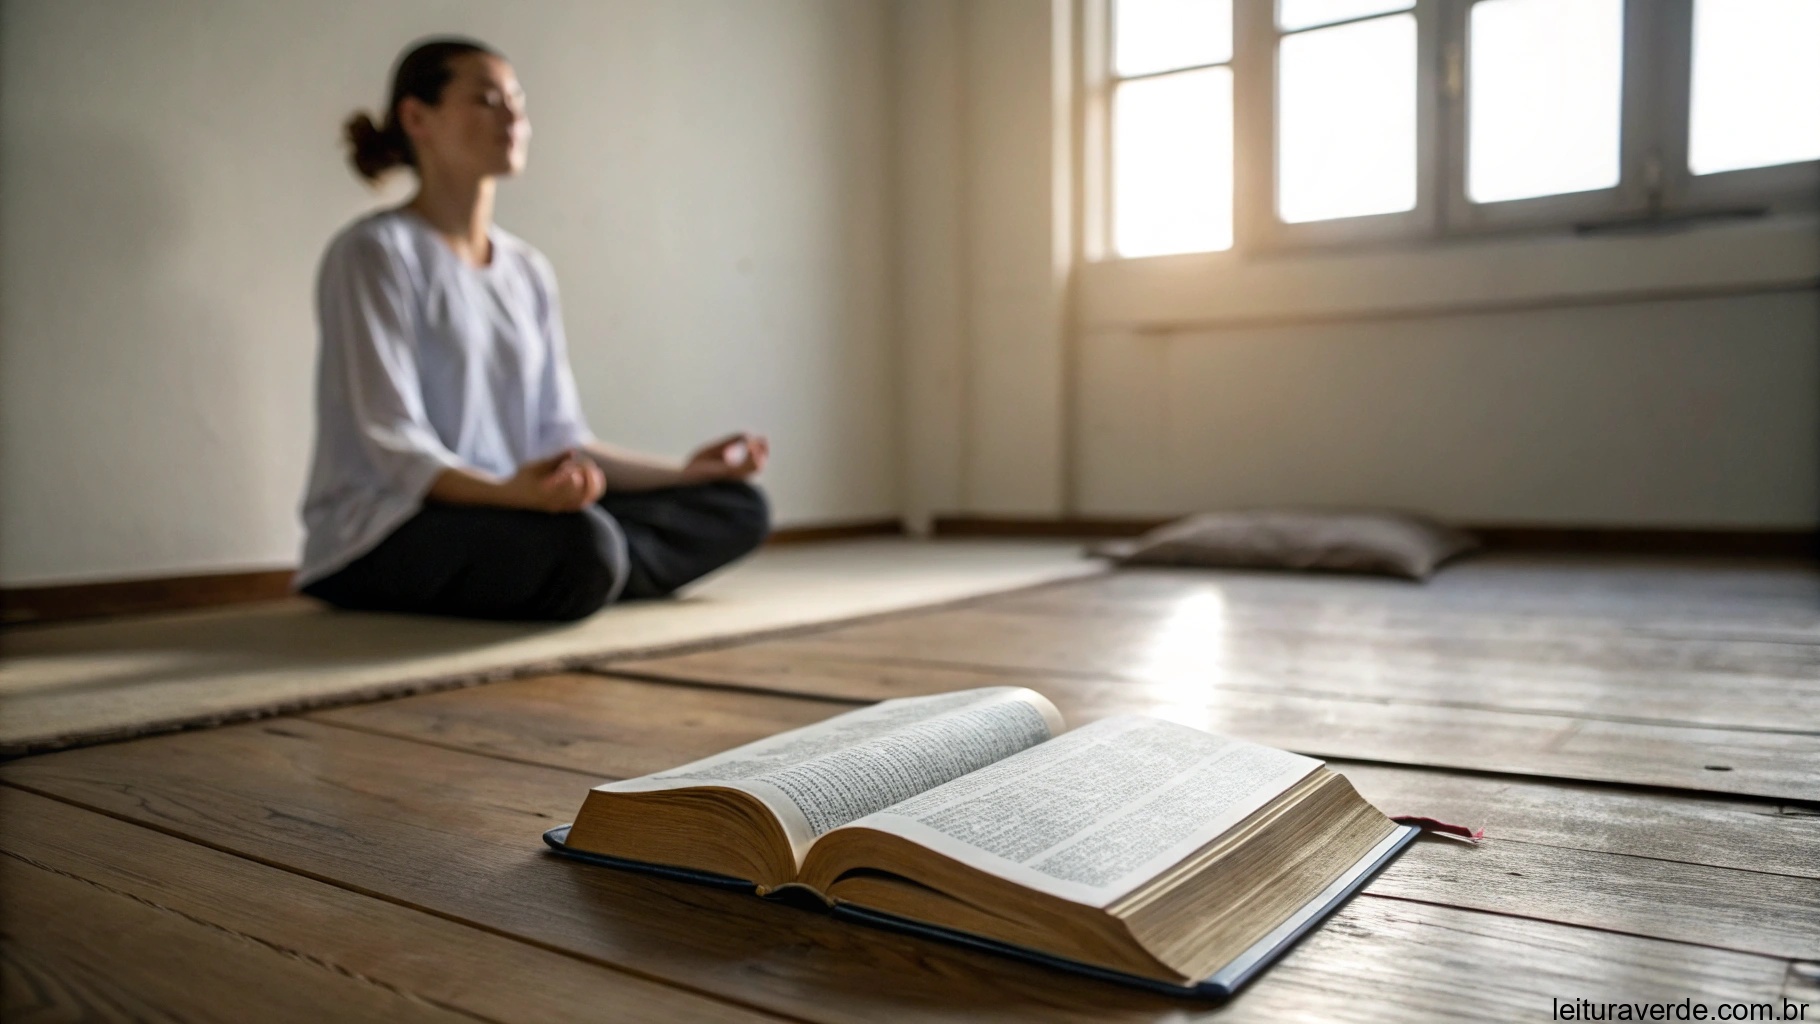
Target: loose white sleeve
{"points": [[561, 423], [364, 301]]}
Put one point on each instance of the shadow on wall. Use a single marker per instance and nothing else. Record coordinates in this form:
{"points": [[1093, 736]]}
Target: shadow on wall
{"points": [[132, 420]]}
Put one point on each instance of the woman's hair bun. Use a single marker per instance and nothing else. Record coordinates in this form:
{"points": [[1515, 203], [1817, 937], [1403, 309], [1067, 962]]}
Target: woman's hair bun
{"points": [[372, 151]]}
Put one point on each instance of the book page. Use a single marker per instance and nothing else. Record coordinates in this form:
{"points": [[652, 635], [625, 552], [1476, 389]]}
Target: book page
{"points": [[1095, 813], [822, 776]]}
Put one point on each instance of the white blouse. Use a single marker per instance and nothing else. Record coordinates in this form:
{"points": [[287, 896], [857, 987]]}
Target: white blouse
{"points": [[426, 362]]}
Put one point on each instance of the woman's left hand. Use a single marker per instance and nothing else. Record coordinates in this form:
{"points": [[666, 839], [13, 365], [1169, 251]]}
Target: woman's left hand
{"points": [[734, 457]]}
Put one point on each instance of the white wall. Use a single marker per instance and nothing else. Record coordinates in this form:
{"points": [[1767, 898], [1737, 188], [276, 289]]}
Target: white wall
{"points": [[708, 176], [1692, 413], [929, 100], [986, 252], [1669, 380]]}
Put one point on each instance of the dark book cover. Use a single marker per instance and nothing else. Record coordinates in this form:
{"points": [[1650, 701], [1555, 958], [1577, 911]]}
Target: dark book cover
{"points": [[1222, 984]]}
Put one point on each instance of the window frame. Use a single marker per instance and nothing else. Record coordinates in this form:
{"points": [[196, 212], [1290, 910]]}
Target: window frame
{"points": [[1101, 64], [1654, 186], [1779, 188], [1637, 121], [1256, 41]]}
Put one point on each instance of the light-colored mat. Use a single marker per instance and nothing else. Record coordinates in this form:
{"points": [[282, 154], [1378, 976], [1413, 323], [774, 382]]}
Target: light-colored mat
{"points": [[77, 683]]}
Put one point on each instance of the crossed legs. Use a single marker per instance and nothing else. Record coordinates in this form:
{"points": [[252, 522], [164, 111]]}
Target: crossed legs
{"points": [[483, 562]]}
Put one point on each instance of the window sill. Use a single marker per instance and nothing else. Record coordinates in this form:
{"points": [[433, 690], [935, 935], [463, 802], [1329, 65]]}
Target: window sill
{"points": [[1226, 289]]}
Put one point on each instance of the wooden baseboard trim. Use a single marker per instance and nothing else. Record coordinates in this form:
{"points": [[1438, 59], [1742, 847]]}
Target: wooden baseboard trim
{"points": [[64, 602], [999, 526], [837, 531], [22, 605], [1562, 539]]}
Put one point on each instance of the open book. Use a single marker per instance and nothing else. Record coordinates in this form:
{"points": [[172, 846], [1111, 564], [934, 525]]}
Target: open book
{"points": [[1131, 847]]}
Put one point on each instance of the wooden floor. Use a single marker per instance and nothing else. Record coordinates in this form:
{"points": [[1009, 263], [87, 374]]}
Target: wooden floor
{"points": [[1640, 740]]}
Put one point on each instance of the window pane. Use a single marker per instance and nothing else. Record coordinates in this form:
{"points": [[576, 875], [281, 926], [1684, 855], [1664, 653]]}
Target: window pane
{"points": [[1162, 35], [1172, 164], [1545, 83], [1346, 116], [1299, 14], [1756, 87]]}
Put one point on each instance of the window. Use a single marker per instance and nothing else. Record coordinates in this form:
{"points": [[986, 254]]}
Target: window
{"points": [[1755, 93], [1278, 124], [1544, 99], [1172, 126], [1346, 109]]}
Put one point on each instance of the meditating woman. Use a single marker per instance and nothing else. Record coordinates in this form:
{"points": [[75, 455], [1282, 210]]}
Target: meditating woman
{"points": [[454, 472]]}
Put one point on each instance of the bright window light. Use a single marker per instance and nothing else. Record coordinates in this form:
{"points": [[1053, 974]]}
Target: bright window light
{"points": [[1299, 14], [1346, 108], [1162, 35], [1756, 84], [1172, 164], [1545, 96]]}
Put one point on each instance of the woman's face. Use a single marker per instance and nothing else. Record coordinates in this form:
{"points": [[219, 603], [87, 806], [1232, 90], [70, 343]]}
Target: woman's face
{"points": [[479, 128]]}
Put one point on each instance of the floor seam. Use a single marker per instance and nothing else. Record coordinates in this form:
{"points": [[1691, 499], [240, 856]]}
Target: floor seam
{"points": [[1605, 929], [452, 747], [608, 671], [1659, 860]]}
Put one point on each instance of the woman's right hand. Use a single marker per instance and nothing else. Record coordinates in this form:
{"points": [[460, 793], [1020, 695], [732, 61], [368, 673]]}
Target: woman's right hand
{"points": [[565, 482]]}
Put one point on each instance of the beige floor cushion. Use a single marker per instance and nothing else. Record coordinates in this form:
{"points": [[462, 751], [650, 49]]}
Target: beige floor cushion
{"points": [[1341, 540]]}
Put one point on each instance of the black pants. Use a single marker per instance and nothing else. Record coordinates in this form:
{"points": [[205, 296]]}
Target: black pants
{"points": [[483, 562]]}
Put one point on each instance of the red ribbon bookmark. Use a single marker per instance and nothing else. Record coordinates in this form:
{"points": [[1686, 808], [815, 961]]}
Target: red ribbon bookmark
{"points": [[1435, 825]]}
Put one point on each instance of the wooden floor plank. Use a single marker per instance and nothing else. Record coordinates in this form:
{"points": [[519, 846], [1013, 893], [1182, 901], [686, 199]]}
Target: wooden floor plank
{"points": [[455, 833], [74, 951], [1764, 598], [1632, 638], [1765, 686], [1712, 700], [1742, 910], [1750, 763], [431, 960], [1714, 831], [608, 727], [1363, 966], [1387, 614]]}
